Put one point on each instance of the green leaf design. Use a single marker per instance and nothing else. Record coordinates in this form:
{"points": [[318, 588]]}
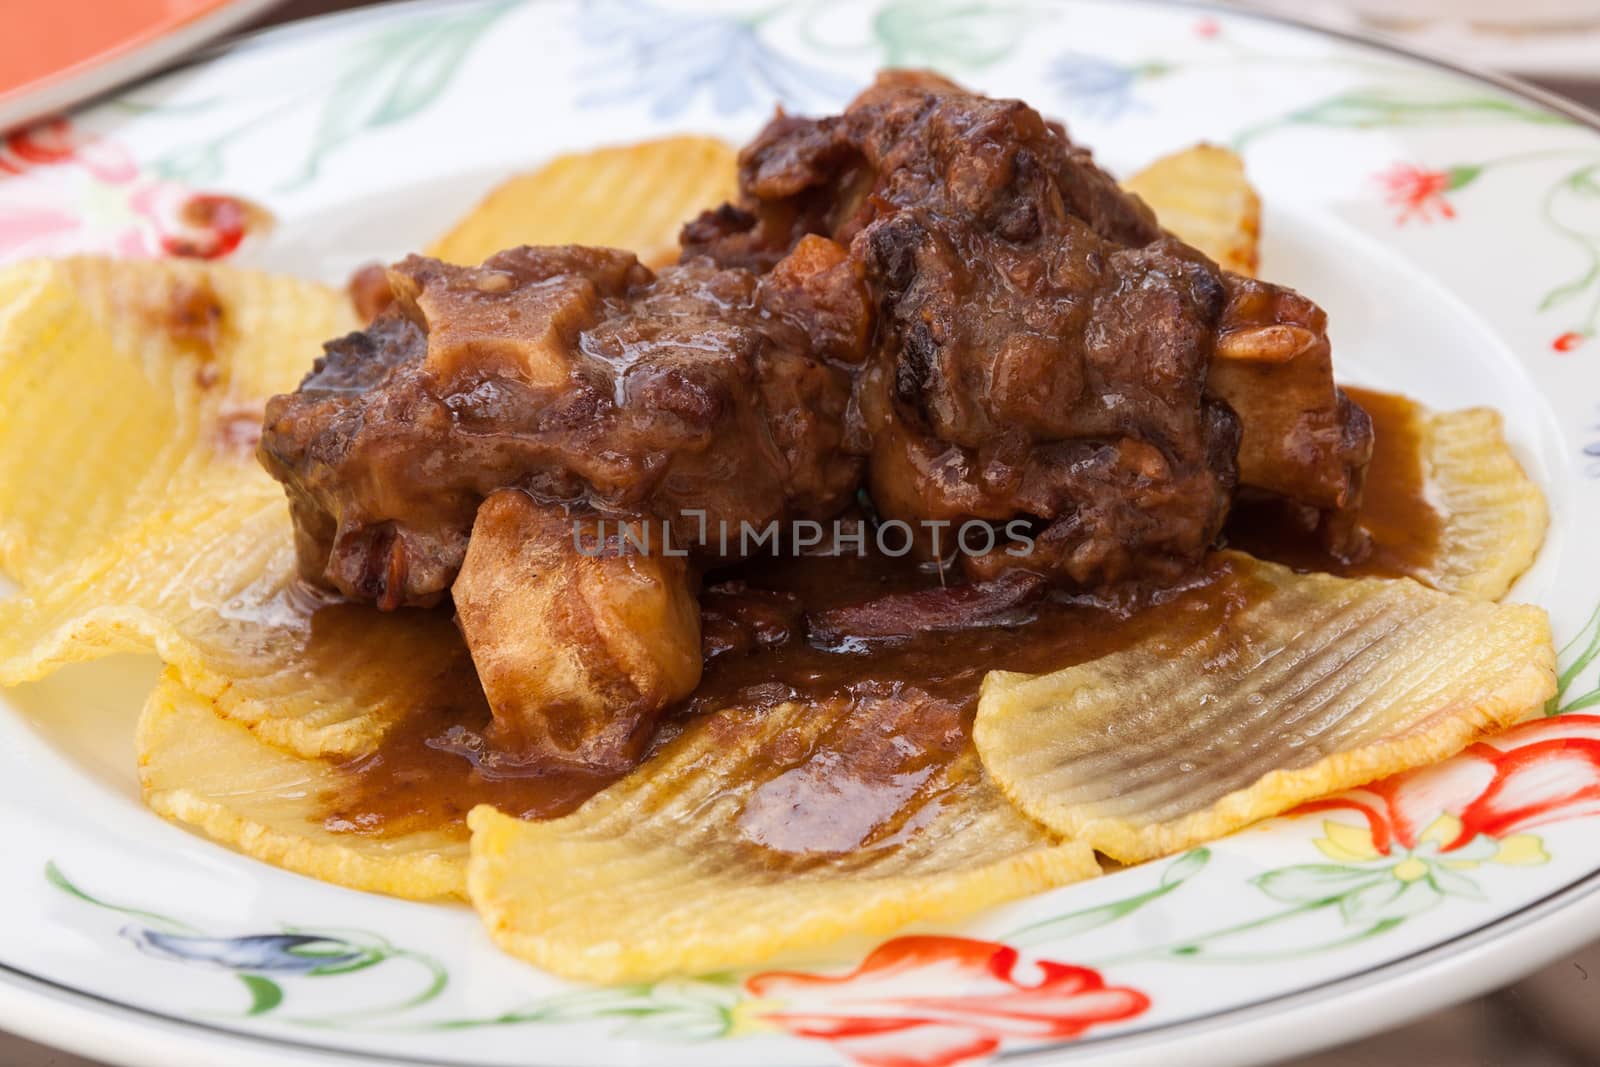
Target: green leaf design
{"points": [[688, 1013], [1207, 953], [395, 75], [1387, 900], [346, 968], [1176, 873], [1388, 107], [1591, 650], [949, 33], [1572, 209], [265, 994], [1380, 106], [1453, 883], [1078, 922], [415, 85], [438, 978], [686, 1009], [1567, 291], [1185, 867], [1573, 204], [1314, 882], [1576, 666], [1463, 175], [53, 874]]}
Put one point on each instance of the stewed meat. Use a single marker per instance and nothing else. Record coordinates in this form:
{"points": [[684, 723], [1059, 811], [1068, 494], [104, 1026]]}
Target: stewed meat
{"points": [[701, 398], [935, 295], [1043, 349]]}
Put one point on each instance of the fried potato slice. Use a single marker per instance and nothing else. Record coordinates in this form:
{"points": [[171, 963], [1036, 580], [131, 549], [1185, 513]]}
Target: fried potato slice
{"points": [[124, 380], [202, 770], [208, 585], [149, 525], [1201, 195], [631, 196], [758, 831], [1492, 516], [1314, 685]]}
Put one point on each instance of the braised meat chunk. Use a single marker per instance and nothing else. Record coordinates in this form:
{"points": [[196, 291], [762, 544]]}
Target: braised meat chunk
{"points": [[492, 419], [1043, 349], [1304, 439], [698, 398], [579, 638], [934, 296]]}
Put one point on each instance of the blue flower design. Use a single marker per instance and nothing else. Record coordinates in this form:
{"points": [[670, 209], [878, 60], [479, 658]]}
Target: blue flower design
{"points": [[255, 954], [1095, 85], [1591, 454], [295, 953], [674, 57]]}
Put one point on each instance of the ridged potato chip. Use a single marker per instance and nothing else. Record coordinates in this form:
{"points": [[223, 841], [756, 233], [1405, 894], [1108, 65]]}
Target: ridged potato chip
{"points": [[208, 585], [1313, 685], [635, 197], [152, 526], [1492, 516], [141, 377], [199, 769], [759, 831], [1201, 195]]}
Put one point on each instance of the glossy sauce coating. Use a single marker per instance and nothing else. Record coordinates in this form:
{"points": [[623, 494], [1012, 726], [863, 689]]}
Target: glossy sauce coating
{"points": [[433, 770]]}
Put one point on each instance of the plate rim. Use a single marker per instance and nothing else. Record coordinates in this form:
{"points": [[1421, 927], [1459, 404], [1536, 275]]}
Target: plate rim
{"points": [[1297, 1021], [1286, 1024]]}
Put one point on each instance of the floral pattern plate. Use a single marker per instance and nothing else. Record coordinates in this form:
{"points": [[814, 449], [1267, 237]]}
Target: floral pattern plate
{"points": [[1451, 226]]}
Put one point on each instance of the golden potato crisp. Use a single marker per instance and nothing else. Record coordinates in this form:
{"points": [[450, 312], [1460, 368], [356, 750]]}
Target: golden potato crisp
{"points": [[1314, 685], [199, 769], [123, 380], [763, 830], [1492, 515], [150, 525], [633, 196], [1201, 195]]}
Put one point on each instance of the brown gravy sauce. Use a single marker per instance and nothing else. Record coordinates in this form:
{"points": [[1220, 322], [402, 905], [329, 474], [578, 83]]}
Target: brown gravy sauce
{"points": [[433, 769]]}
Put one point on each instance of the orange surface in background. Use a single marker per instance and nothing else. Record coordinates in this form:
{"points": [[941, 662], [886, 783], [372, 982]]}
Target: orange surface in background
{"points": [[42, 39]]}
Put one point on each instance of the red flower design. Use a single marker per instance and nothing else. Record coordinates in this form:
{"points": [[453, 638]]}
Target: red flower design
{"points": [[1420, 193], [68, 192], [1537, 773], [55, 141], [1569, 341], [938, 1001], [1207, 28], [197, 225]]}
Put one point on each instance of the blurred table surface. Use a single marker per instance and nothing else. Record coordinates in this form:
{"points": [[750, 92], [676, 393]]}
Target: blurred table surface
{"points": [[1546, 1020]]}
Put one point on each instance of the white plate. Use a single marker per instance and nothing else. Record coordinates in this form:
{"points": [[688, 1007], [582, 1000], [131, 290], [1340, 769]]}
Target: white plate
{"points": [[1451, 227]]}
